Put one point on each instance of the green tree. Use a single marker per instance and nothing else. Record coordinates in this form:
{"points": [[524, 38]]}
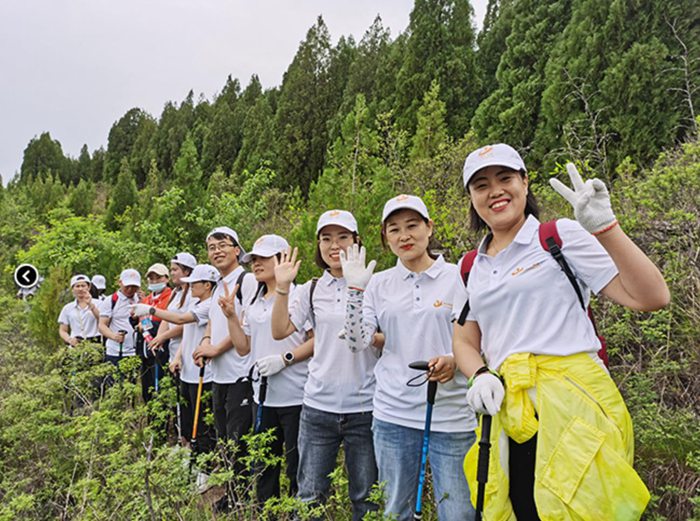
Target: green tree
{"points": [[82, 197], [121, 140], [440, 46], [258, 137], [491, 43], [431, 132], [123, 195], [41, 156]]}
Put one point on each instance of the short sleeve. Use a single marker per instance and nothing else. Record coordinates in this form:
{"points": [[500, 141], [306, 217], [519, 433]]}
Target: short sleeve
{"points": [[586, 256], [200, 312], [299, 307], [63, 316], [106, 308], [249, 286], [460, 296]]}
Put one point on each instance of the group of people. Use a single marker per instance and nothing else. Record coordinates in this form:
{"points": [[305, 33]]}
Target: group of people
{"points": [[503, 333]]}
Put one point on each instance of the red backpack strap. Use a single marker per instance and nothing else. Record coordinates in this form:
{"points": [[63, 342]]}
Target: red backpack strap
{"points": [[465, 267], [551, 242], [115, 297]]}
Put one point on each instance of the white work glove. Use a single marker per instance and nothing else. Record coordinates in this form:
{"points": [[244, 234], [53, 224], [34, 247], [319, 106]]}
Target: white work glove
{"points": [[591, 201], [140, 310], [486, 394], [270, 365], [354, 271]]}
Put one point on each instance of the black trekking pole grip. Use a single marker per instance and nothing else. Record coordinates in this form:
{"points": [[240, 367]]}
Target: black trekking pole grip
{"points": [[262, 394], [482, 469], [432, 390]]}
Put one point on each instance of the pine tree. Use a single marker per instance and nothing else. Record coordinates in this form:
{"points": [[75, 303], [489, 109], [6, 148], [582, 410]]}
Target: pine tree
{"points": [[41, 156], [82, 198], [121, 139], [510, 114], [431, 132], [440, 46], [258, 138], [123, 195], [84, 165]]}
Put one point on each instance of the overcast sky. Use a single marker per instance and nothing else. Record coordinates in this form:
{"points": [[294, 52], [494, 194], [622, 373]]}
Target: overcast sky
{"points": [[73, 67]]}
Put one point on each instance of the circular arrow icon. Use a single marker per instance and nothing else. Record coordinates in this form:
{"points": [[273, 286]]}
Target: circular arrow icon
{"points": [[26, 276]]}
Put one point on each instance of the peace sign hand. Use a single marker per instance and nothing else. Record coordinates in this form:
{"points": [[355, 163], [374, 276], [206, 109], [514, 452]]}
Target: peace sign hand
{"points": [[228, 301], [286, 268], [591, 201]]}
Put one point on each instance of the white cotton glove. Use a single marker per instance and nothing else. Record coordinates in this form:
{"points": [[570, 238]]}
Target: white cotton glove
{"points": [[486, 394], [591, 200], [140, 310], [270, 365], [354, 271]]}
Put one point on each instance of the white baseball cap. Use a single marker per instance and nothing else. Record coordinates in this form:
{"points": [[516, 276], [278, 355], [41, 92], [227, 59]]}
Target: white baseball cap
{"points": [[158, 269], [185, 259], [99, 282], [338, 217], [202, 272], [231, 233], [266, 246], [491, 155], [78, 278], [130, 277], [403, 201]]}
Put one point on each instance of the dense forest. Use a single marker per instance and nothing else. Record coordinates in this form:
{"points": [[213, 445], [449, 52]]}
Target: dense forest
{"points": [[611, 85]]}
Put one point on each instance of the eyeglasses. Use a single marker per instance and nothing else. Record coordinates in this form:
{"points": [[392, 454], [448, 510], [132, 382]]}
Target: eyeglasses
{"points": [[219, 246]]}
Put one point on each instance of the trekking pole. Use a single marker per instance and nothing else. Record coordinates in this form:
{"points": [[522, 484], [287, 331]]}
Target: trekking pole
{"points": [[155, 368], [262, 394], [121, 344], [178, 413], [482, 469], [195, 421], [432, 390]]}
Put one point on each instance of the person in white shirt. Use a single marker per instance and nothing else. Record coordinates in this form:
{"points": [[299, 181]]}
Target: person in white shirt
{"points": [[78, 319], [231, 390], [169, 334], [193, 323], [115, 312], [561, 433], [411, 304], [281, 362], [98, 286], [337, 407]]}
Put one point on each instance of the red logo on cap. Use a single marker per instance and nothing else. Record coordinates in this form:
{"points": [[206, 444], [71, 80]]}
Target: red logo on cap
{"points": [[485, 151]]}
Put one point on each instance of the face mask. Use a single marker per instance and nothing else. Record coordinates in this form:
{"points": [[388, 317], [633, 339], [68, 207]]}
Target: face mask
{"points": [[156, 287]]}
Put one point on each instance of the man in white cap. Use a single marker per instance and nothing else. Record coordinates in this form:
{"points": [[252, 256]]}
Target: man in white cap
{"points": [[114, 317], [78, 319], [231, 396], [153, 361]]}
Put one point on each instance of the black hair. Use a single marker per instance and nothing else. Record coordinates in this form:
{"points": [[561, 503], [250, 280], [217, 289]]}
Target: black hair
{"points": [[432, 243], [187, 271], [477, 224], [219, 236], [319, 258]]}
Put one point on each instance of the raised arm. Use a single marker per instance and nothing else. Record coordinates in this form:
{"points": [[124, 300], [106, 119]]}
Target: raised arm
{"points": [[359, 333], [286, 270], [639, 284]]}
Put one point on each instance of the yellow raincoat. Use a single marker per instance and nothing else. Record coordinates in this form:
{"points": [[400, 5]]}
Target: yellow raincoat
{"points": [[585, 446]]}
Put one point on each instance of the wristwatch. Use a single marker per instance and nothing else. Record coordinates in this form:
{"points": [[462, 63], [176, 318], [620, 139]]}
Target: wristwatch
{"points": [[152, 311], [288, 358]]}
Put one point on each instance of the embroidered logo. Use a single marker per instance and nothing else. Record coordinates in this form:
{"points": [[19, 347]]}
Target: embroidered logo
{"points": [[401, 197], [485, 151], [259, 241], [334, 213], [520, 270], [439, 303]]}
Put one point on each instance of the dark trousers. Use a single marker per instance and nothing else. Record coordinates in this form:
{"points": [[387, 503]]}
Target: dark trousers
{"points": [[206, 438], [284, 421], [152, 372], [521, 460]]}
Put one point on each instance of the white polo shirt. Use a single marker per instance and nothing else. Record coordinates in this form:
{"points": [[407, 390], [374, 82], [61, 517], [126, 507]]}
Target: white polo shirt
{"points": [[523, 301], [285, 388], [174, 306], [229, 366], [413, 310], [119, 321], [192, 334], [80, 321], [339, 381]]}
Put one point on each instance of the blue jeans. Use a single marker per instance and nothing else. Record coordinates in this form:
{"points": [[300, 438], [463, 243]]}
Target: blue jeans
{"points": [[320, 436], [398, 451]]}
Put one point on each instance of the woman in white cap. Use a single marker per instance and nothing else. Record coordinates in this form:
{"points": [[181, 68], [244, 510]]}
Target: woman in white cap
{"points": [[562, 443], [411, 304], [194, 321], [98, 287], [115, 313], [337, 407], [79, 319], [282, 362], [169, 335], [153, 359]]}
